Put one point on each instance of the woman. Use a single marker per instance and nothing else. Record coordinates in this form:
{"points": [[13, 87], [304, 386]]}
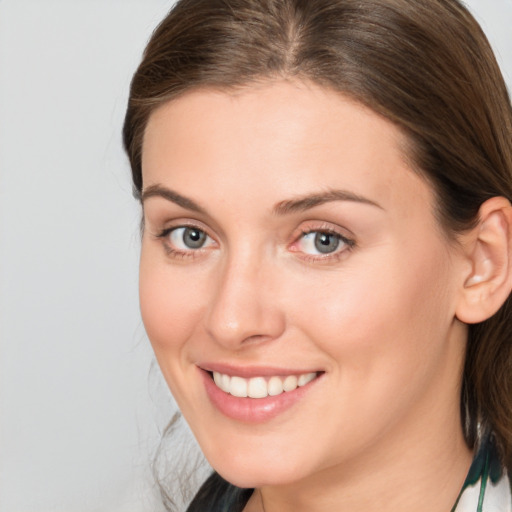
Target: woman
{"points": [[326, 256]]}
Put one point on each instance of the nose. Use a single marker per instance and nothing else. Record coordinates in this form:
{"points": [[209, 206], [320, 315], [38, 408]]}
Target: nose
{"points": [[244, 304]]}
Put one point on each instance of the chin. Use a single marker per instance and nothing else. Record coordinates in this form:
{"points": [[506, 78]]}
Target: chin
{"points": [[256, 479], [252, 474]]}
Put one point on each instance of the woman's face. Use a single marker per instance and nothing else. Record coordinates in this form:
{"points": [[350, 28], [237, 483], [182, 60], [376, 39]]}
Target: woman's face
{"points": [[286, 239]]}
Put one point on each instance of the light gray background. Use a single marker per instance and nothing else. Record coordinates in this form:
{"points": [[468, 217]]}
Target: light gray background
{"points": [[80, 410]]}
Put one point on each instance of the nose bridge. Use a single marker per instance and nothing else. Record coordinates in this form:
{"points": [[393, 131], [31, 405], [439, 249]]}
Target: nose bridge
{"points": [[242, 307]]}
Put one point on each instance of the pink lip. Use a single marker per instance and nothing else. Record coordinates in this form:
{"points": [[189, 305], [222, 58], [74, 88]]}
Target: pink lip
{"points": [[253, 410], [252, 371]]}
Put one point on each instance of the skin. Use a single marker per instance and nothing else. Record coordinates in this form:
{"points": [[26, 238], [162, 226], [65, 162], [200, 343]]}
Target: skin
{"points": [[381, 428]]}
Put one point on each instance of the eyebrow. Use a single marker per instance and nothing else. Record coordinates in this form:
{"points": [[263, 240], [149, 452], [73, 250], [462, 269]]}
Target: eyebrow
{"points": [[171, 195], [310, 201], [299, 204]]}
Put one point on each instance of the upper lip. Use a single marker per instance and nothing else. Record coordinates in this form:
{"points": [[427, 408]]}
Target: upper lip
{"points": [[253, 371]]}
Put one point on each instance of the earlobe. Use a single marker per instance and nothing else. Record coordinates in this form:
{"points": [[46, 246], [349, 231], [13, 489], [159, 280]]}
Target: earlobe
{"points": [[489, 249]]}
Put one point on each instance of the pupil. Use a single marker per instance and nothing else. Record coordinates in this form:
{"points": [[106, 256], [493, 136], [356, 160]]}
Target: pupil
{"points": [[326, 242], [193, 238]]}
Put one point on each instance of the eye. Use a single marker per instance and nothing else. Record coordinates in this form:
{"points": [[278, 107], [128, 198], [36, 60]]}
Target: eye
{"points": [[186, 238], [322, 242]]}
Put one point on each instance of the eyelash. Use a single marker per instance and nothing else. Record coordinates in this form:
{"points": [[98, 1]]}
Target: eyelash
{"points": [[176, 253], [328, 257], [333, 257]]}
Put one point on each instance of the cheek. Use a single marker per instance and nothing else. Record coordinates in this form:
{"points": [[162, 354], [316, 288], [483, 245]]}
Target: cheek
{"points": [[385, 335], [169, 304], [383, 317]]}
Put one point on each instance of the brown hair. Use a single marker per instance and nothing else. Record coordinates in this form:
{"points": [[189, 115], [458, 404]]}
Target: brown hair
{"points": [[423, 64]]}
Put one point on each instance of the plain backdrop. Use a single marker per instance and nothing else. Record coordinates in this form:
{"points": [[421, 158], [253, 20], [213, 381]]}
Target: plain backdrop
{"points": [[79, 414]]}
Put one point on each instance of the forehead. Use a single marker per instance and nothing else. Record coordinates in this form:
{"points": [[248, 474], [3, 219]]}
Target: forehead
{"points": [[283, 139], [294, 111]]}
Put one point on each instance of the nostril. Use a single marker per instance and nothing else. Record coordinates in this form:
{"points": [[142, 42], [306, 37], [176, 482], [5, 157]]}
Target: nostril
{"points": [[256, 338]]}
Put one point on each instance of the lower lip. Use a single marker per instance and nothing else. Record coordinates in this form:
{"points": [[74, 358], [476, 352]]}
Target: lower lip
{"points": [[253, 410]]}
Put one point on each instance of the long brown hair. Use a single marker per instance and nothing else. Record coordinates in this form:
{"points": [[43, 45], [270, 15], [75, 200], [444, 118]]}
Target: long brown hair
{"points": [[423, 64]]}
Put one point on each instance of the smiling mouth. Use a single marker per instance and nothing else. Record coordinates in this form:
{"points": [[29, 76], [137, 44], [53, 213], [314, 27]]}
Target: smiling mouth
{"points": [[261, 387]]}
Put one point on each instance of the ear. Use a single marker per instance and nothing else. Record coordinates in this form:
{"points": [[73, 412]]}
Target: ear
{"points": [[488, 246]]}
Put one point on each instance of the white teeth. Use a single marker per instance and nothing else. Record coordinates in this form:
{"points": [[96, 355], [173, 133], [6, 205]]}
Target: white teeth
{"points": [[275, 386], [260, 387], [305, 378], [257, 388], [224, 383], [238, 387], [290, 383]]}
